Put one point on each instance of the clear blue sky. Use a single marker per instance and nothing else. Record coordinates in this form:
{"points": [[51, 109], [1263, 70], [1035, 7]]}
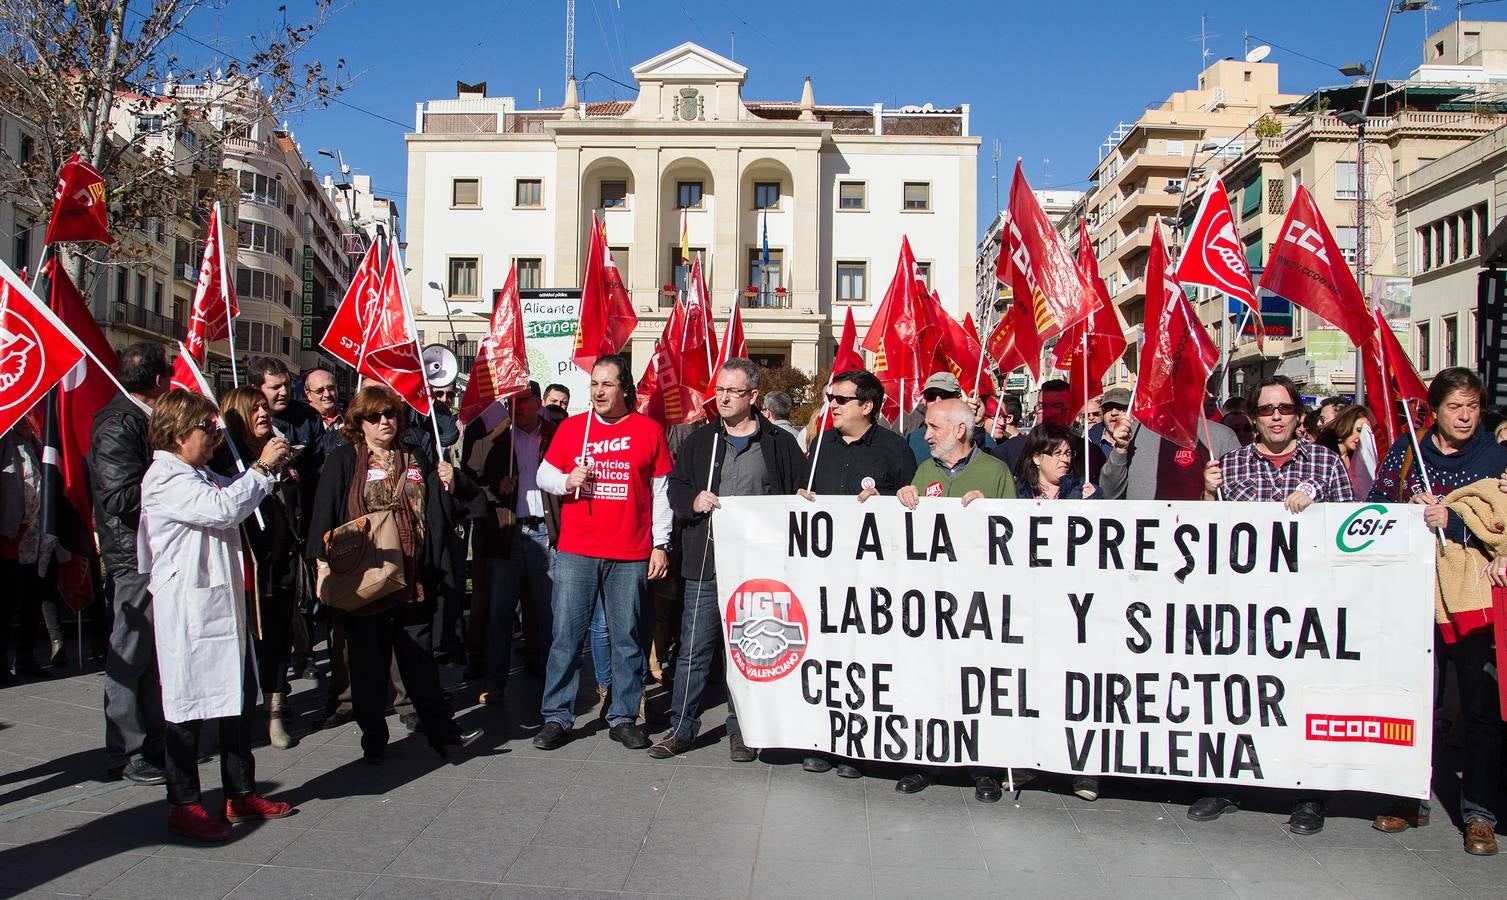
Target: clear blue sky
{"points": [[1049, 80]]}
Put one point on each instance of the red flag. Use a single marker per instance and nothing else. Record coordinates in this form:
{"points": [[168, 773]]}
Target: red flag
{"points": [[698, 341], [1389, 378], [501, 368], [662, 393], [390, 346], [1308, 270], [734, 346], [903, 335], [79, 212], [1050, 293], [1102, 331], [215, 307], [1177, 358], [1001, 346], [985, 382], [960, 353], [188, 376], [36, 350], [607, 318], [846, 359], [342, 339], [1214, 257]]}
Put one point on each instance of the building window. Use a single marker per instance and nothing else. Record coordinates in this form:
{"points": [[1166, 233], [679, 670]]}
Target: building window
{"points": [[917, 195], [259, 188], [766, 280], [1344, 236], [530, 273], [852, 282], [254, 284], [614, 195], [528, 193], [687, 195], [923, 273], [21, 248], [156, 298], [766, 195], [850, 195], [259, 236], [141, 289], [1425, 344], [1451, 334], [465, 193], [1345, 184], [1250, 198], [1175, 148], [463, 282], [679, 275], [620, 259], [1425, 250]]}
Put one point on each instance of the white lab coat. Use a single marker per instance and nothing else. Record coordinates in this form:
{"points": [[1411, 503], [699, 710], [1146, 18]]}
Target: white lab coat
{"points": [[189, 543]]}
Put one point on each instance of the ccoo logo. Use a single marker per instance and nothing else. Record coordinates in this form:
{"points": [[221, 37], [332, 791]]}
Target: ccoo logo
{"points": [[1363, 527], [766, 629]]}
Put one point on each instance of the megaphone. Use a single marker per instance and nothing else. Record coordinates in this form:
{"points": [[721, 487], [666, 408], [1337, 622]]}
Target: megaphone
{"points": [[441, 368]]}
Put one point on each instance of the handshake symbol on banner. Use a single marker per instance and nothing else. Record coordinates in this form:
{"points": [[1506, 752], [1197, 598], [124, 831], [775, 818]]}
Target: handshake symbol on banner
{"points": [[764, 640]]}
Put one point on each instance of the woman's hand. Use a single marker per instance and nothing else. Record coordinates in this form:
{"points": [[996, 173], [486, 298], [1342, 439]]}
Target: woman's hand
{"points": [[1088, 489], [447, 475], [274, 453]]}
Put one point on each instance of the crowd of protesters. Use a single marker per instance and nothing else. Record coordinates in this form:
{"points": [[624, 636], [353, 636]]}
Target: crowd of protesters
{"points": [[219, 528]]}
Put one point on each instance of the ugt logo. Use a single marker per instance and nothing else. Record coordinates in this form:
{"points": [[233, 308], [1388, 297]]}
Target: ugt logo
{"points": [[766, 629], [1363, 527], [21, 362]]}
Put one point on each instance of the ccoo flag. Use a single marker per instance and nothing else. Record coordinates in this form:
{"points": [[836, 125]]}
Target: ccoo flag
{"points": [[1308, 270], [501, 368], [1177, 358]]}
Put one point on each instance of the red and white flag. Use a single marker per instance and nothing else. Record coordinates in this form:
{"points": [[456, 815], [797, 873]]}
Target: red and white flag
{"points": [[903, 335], [1177, 357], [79, 210], [1050, 293], [607, 318], [343, 338], [734, 345], [662, 393], [1390, 378], [213, 315], [501, 368], [1214, 257], [390, 343], [36, 349], [1089, 349], [1308, 270], [698, 342], [846, 359]]}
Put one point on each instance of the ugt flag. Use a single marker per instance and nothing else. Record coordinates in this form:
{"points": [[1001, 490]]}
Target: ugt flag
{"points": [[36, 350]]}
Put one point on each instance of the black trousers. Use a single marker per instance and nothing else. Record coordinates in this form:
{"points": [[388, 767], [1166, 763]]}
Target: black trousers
{"points": [[1475, 660], [133, 693], [404, 635], [237, 767], [30, 599], [275, 610]]}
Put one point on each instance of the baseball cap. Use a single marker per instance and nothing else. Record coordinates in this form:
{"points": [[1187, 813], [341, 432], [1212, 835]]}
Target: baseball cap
{"points": [[943, 381], [1115, 397]]}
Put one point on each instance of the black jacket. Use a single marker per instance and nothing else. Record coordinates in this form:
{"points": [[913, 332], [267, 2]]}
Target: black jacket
{"points": [[276, 544], [301, 425], [118, 458], [494, 510], [880, 456], [442, 509], [782, 461]]}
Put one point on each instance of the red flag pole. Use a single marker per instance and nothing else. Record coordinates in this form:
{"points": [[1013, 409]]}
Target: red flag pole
{"points": [[225, 272], [978, 373], [1083, 368]]}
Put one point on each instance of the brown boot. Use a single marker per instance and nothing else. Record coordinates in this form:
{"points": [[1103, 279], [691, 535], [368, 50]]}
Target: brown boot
{"points": [[277, 735], [1480, 838], [1402, 816]]}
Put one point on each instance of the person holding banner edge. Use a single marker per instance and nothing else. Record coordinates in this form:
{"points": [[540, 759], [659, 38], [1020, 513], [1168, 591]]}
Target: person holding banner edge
{"points": [[1282, 469], [956, 468], [739, 454], [858, 457]]}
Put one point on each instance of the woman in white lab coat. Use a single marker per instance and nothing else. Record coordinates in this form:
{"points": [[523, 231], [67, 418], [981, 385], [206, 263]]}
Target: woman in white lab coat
{"points": [[189, 544]]}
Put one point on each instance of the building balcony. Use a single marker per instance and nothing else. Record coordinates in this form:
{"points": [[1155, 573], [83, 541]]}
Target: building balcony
{"points": [[1143, 162], [1133, 289], [1137, 241], [1147, 201], [141, 319]]}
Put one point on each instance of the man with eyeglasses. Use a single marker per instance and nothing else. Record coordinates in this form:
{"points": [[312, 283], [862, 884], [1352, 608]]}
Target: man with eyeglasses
{"points": [[1054, 401], [740, 454], [855, 457], [1278, 468], [324, 397]]}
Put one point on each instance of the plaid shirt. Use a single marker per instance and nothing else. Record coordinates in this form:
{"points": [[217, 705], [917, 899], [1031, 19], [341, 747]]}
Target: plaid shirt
{"points": [[1250, 476]]}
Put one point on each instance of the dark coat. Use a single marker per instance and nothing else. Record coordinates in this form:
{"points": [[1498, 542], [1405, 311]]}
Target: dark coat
{"points": [[118, 458], [494, 510]]}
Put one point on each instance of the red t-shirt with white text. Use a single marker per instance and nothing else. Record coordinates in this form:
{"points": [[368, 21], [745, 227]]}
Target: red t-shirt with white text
{"points": [[613, 519]]}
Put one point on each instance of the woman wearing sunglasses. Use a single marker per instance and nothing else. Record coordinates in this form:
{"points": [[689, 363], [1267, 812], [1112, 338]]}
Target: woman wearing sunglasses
{"points": [[371, 473], [190, 543]]}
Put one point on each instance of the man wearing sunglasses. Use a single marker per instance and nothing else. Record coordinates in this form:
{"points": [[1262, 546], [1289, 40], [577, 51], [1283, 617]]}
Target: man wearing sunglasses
{"points": [[1278, 468]]}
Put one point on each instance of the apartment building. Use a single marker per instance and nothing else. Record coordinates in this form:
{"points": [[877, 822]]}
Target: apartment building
{"points": [[834, 187]]}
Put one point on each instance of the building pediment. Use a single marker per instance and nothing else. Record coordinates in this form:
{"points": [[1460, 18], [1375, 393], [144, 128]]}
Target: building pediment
{"points": [[689, 62]]}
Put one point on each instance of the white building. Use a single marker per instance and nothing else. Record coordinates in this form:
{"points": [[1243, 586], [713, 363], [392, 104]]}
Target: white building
{"points": [[491, 186]]}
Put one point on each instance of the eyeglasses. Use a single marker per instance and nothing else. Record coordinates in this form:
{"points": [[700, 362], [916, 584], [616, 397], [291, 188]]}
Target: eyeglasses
{"points": [[324, 390], [1064, 453], [210, 426], [379, 415], [732, 392], [934, 395], [840, 400], [1286, 409]]}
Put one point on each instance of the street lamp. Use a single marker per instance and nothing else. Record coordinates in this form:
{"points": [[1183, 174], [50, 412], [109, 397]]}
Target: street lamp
{"points": [[445, 301], [1357, 118]]}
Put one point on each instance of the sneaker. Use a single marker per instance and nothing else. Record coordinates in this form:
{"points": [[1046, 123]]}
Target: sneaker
{"points": [[191, 821], [1086, 787], [253, 807], [552, 736], [143, 771]]}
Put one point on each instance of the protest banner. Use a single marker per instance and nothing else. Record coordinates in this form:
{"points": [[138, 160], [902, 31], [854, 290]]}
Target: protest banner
{"points": [[1211, 642]]}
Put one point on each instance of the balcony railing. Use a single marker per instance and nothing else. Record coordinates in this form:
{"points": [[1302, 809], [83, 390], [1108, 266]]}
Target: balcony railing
{"points": [[142, 318], [465, 352]]}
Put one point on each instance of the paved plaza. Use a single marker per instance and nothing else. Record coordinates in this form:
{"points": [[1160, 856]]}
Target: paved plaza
{"points": [[596, 820]]}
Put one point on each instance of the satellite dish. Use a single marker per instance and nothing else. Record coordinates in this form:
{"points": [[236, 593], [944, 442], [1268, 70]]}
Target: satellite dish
{"points": [[441, 368], [1258, 54]]}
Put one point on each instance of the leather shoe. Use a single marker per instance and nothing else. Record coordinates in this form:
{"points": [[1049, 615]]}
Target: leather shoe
{"points": [[1480, 838], [629, 735], [739, 752], [986, 789], [552, 736], [1401, 817], [1207, 809], [459, 739], [335, 720], [848, 770], [143, 771], [1307, 817], [816, 764], [411, 722], [670, 746], [192, 821], [913, 783]]}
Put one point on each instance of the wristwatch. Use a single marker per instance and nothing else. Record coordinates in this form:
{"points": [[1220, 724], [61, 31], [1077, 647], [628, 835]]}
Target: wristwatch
{"points": [[665, 547]]}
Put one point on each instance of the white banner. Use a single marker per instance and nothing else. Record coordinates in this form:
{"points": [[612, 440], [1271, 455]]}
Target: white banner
{"points": [[1210, 642]]}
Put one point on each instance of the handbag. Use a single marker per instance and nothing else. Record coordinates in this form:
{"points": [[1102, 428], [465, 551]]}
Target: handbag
{"points": [[366, 561]]}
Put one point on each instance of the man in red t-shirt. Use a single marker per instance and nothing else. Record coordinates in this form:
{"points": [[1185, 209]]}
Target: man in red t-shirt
{"points": [[611, 466]]}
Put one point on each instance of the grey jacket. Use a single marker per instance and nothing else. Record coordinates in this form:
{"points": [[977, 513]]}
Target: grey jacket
{"points": [[1131, 475]]}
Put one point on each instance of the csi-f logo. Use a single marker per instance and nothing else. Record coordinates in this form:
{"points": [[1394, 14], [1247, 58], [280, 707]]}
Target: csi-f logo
{"points": [[1363, 527], [1307, 237], [766, 629]]}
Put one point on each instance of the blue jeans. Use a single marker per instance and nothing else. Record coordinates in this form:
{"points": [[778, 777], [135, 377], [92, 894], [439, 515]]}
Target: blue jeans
{"points": [[601, 651], [530, 564], [621, 586], [700, 641]]}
